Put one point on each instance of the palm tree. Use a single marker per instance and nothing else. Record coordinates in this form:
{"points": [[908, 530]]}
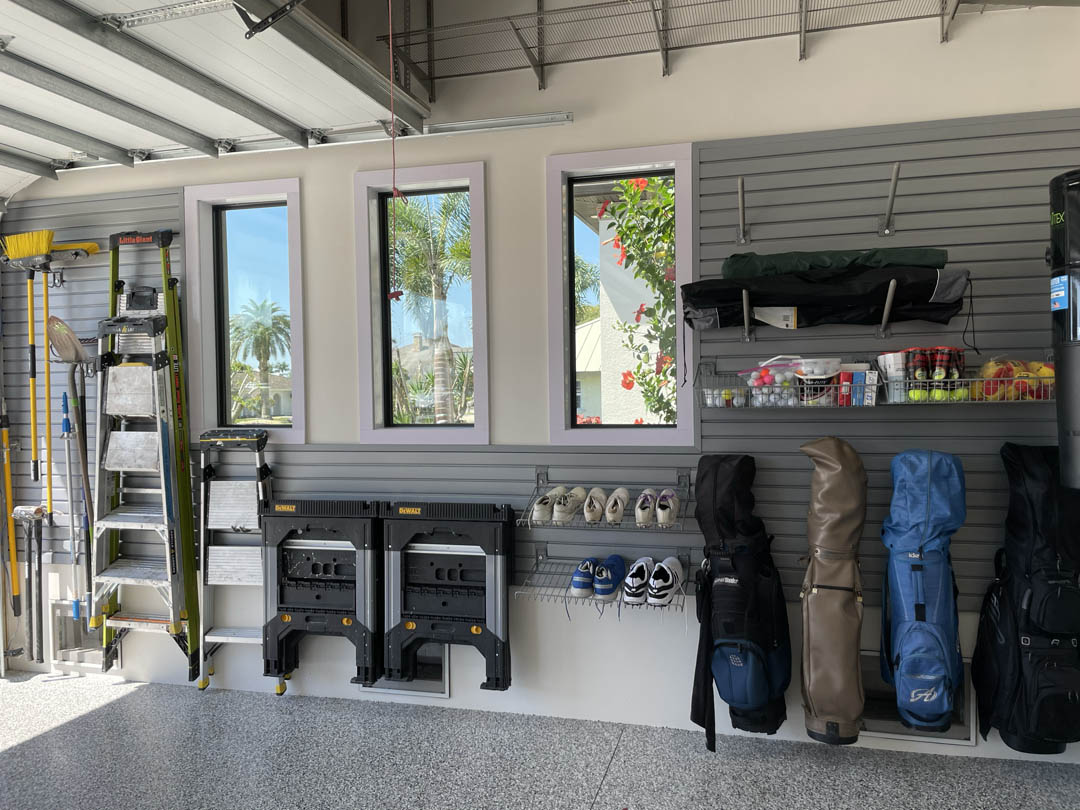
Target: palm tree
{"points": [[261, 331], [433, 252]]}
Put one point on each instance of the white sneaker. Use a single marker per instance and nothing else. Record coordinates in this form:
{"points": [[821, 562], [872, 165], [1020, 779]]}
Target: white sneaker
{"points": [[616, 505], [667, 508], [636, 584], [594, 505], [665, 582], [541, 510], [567, 505], [645, 508]]}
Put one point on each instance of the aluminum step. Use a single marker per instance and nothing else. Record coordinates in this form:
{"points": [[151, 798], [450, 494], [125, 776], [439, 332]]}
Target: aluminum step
{"points": [[234, 565], [147, 516], [137, 344], [234, 635], [132, 571], [130, 391], [150, 622], [134, 451], [233, 506]]}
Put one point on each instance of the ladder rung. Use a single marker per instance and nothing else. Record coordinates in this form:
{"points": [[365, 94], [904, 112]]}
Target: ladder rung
{"points": [[134, 451], [147, 516], [130, 390], [140, 621], [140, 490], [234, 565], [133, 571], [233, 506], [233, 635]]}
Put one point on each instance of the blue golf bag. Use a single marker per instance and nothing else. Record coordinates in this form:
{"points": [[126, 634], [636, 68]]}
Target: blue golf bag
{"points": [[920, 645]]}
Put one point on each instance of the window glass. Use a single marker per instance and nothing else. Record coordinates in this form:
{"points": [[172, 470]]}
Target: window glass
{"points": [[622, 240], [428, 318], [254, 326]]}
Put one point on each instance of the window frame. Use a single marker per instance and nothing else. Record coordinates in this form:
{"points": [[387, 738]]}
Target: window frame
{"points": [[202, 327], [370, 188], [560, 170]]}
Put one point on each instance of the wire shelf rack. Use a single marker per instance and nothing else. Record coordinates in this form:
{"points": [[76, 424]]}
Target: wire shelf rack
{"points": [[549, 581], [732, 391], [600, 30], [682, 488]]}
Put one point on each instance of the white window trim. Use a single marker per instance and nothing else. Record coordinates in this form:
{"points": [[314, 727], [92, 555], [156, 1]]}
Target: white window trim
{"points": [[199, 202], [368, 187], [559, 169]]}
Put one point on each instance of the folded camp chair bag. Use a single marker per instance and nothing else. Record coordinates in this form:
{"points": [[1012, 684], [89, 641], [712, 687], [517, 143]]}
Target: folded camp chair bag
{"points": [[1026, 666], [744, 646], [748, 265], [832, 603], [852, 295], [920, 647]]}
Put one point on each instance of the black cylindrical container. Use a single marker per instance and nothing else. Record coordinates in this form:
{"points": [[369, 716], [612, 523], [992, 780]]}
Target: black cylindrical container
{"points": [[1064, 259]]}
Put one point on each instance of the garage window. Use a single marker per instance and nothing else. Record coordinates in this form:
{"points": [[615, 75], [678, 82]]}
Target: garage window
{"points": [[422, 307], [619, 248]]}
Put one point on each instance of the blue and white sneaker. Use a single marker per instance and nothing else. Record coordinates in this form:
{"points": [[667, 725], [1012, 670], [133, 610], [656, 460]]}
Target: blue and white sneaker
{"points": [[608, 578], [581, 583]]}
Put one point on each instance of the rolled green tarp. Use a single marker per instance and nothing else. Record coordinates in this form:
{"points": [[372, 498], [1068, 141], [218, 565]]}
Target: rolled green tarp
{"points": [[751, 265]]}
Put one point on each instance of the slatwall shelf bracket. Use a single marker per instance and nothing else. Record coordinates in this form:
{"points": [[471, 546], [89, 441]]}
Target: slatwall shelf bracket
{"points": [[747, 318], [742, 230], [886, 225], [883, 330], [542, 476]]}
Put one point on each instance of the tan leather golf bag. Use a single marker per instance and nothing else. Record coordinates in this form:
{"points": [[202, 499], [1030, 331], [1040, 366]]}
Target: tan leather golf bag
{"points": [[832, 603]]}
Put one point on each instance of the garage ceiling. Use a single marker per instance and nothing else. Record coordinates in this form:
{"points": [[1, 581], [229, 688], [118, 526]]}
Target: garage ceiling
{"points": [[76, 91]]}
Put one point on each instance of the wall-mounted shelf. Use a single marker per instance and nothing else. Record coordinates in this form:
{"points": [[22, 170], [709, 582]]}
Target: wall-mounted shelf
{"points": [[731, 392], [549, 581], [681, 485]]}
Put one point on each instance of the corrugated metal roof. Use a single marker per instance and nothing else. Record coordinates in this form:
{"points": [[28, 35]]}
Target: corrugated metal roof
{"points": [[587, 345]]}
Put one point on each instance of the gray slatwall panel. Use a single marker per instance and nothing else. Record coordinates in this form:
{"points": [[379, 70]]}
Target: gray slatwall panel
{"points": [[977, 188], [82, 304]]}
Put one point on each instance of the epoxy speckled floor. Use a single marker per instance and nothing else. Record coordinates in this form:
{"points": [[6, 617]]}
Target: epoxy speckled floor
{"points": [[247, 751]]}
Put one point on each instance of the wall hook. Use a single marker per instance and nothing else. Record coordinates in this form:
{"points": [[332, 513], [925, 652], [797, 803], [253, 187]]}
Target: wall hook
{"points": [[886, 227], [742, 231]]}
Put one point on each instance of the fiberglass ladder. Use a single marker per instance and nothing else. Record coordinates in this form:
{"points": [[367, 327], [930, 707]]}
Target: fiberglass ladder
{"points": [[141, 435]]}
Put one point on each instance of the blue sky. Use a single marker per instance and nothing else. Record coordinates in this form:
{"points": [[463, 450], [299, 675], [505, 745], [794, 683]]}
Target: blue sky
{"points": [[587, 246], [257, 241]]}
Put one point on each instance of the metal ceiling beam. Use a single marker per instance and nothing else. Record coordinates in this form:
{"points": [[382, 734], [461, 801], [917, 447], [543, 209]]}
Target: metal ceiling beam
{"points": [[55, 133], [27, 165], [146, 56], [307, 32], [660, 24], [53, 82]]}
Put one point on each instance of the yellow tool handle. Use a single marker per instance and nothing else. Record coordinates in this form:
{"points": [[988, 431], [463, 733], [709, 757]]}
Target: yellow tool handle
{"points": [[34, 474], [48, 396], [5, 443]]}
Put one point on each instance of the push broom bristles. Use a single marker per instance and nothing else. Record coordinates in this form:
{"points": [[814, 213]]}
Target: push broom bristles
{"points": [[23, 245]]}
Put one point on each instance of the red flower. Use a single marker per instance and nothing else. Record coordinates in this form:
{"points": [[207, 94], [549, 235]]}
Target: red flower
{"points": [[639, 183], [662, 362], [628, 380], [639, 313], [603, 209], [616, 243], [639, 421], [669, 274], [622, 256]]}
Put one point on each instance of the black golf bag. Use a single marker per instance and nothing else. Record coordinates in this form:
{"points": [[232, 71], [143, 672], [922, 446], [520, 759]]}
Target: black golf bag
{"points": [[1026, 667], [743, 643]]}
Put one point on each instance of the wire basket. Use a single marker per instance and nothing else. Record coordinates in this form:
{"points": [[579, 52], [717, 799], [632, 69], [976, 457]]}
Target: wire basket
{"points": [[549, 581], [1027, 388], [629, 518]]}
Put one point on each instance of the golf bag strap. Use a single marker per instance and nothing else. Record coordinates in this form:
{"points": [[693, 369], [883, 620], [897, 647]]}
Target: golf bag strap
{"points": [[702, 701], [705, 491], [886, 628]]}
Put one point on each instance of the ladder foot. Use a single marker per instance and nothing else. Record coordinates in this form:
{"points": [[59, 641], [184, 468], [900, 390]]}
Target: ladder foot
{"points": [[203, 683], [210, 671], [287, 676], [176, 628], [279, 689], [96, 621]]}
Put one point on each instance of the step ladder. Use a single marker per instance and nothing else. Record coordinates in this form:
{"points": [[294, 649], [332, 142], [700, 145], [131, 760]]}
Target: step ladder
{"points": [[143, 477], [229, 506]]}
